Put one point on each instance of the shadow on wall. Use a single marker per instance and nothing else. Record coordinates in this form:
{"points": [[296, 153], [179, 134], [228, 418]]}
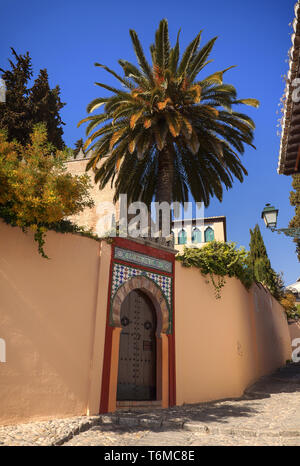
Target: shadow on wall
{"points": [[227, 343], [270, 321]]}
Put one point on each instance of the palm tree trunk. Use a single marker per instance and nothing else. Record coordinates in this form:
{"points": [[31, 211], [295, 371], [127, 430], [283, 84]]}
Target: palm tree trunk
{"points": [[164, 191]]}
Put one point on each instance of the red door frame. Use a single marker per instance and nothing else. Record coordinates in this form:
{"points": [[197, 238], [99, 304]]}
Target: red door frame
{"points": [[159, 254]]}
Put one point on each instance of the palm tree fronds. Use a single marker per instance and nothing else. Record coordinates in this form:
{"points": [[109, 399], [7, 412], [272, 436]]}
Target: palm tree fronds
{"points": [[135, 117], [96, 103], [188, 54], [174, 56], [217, 77], [200, 59], [251, 102], [125, 82], [164, 124], [162, 45], [140, 55]]}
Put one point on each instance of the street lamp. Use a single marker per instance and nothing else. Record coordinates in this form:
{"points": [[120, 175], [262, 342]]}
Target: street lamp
{"points": [[269, 215]]}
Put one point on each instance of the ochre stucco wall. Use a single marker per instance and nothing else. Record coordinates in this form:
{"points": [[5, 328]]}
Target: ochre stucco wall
{"points": [[294, 328], [53, 320], [272, 332], [53, 316], [224, 345], [102, 198]]}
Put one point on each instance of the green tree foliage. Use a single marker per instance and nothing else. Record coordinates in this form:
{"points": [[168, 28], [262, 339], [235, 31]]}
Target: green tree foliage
{"points": [[36, 191], [260, 263], [295, 201], [168, 132], [25, 106], [79, 145], [45, 105], [219, 259], [14, 112]]}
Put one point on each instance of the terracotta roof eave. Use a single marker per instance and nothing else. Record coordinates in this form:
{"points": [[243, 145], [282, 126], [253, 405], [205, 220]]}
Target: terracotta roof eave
{"points": [[219, 218], [289, 104]]}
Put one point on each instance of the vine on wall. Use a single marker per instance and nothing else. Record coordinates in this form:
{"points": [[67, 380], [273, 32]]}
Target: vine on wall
{"points": [[218, 260]]}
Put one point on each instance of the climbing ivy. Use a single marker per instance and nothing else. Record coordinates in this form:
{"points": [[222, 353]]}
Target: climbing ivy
{"points": [[218, 260]]}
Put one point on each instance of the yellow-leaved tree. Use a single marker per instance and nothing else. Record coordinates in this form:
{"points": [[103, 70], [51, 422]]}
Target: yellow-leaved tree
{"points": [[288, 301], [36, 191]]}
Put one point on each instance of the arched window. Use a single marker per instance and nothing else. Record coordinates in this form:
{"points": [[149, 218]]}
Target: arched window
{"points": [[209, 234], [182, 237], [196, 235]]}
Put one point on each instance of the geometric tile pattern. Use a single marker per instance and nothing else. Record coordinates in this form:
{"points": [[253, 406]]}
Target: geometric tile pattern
{"points": [[121, 273]]}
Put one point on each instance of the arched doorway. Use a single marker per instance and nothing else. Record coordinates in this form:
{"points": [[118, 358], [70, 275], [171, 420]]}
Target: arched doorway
{"points": [[137, 350], [165, 351]]}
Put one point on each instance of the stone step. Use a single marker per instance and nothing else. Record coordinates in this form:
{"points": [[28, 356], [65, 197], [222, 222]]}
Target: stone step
{"points": [[138, 405]]}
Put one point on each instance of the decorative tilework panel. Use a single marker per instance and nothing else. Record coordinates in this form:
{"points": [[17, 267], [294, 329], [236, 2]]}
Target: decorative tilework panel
{"points": [[142, 259], [122, 273]]}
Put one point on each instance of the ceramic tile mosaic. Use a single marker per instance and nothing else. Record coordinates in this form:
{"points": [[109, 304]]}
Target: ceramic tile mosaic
{"points": [[122, 273], [142, 259]]}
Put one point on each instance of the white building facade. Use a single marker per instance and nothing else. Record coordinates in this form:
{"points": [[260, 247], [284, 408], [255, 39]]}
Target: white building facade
{"points": [[198, 232]]}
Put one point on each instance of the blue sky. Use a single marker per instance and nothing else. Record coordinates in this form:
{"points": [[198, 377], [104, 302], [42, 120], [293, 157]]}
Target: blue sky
{"points": [[68, 36]]}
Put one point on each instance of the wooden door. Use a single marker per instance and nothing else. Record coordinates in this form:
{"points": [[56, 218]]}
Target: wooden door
{"points": [[137, 355]]}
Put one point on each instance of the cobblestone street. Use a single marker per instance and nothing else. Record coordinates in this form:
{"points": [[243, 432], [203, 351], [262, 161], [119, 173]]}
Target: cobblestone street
{"points": [[267, 414]]}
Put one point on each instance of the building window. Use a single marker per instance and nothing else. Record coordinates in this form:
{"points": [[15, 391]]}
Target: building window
{"points": [[196, 236], [209, 234], [182, 237]]}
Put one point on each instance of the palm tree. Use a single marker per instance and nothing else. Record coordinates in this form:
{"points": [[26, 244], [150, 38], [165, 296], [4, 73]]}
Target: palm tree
{"points": [[165, 133]]}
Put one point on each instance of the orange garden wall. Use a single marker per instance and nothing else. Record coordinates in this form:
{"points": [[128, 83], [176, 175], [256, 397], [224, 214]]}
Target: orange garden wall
{"points": [[53, 318], [223, 345], [53, 321], [294, 328]]}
